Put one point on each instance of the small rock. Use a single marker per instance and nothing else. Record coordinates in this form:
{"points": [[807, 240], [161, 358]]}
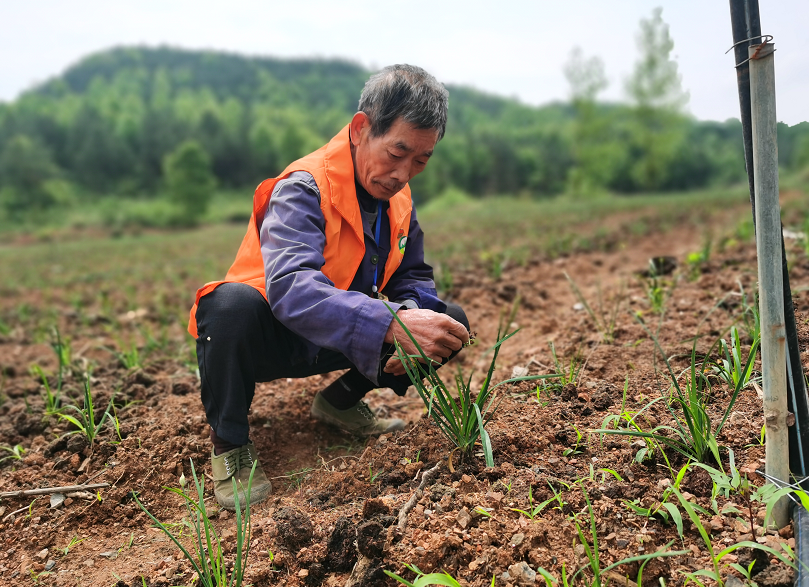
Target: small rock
{"points": [[57, 499], [50, 564], [522, 573], [517, 539], [733, 581], [42, 554], [463, 518], [110, 554], [578, 307], [89, 563], [519, 371], [622, 543], [382, 439], [638, 444], [303, 573], [717, 523]]}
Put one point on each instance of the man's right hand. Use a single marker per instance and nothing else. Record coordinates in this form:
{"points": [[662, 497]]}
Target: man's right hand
{"points": [[437, 334]]}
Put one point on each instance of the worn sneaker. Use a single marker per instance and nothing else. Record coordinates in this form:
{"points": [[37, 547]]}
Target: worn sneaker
{"points": [[358, 420], [238, 463]]}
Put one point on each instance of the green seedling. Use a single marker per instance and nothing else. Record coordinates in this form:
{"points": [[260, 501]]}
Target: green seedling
{"points": [[696, 261], [85, 420], [663, 510], [604, 319], [716, 557], [128, 357], [462, 420], [424, 579], [730, 368], [750, 317], [208, 559], [52, 399], [630, 420], [73, 542], [592, 574], [372, 477], [567, 374], [693, 434], [575, 449], [655, 287], [15, 452], [534, 510]]}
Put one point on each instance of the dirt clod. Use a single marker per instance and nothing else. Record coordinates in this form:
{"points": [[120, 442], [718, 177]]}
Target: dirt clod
{"points": [[371, 539], [294, 528], [340, 552], [374, 507]]}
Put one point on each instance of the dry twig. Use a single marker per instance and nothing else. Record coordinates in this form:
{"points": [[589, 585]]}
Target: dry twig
{"points": [[47, 490], [417, 495]]}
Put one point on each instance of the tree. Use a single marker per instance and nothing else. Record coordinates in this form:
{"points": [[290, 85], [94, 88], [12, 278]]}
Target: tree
{"points": [[656, 92], [25, 168], [189, 180], [595, 153]]}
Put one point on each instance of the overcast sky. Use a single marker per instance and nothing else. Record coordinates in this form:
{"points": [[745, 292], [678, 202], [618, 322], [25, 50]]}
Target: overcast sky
{"points": [[509, 47]]}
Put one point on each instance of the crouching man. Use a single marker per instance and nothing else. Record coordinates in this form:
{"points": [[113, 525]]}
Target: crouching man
{"points": [[332, 243]]}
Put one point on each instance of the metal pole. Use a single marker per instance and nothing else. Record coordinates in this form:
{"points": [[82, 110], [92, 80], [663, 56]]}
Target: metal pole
{"points": [[746, 25], [770, 278]]}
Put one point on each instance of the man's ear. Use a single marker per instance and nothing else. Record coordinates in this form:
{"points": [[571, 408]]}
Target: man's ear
{"points": [[360, 127]]}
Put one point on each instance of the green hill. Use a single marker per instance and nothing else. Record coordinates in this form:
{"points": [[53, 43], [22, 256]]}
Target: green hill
{"points": [[106, 126]]}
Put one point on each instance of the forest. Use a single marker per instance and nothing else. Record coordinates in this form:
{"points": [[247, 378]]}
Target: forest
{"points": [[146, 125]]}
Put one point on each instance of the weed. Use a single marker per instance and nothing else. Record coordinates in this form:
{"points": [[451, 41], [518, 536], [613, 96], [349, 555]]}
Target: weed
{"points": [[15, 452], [605, 318], [657, 292], [52, 399], [461, 420], [663, 509], [73, 542], [85, 422], [730, 369], [589, 540], [716, 557], [693, 434], [128, 357], [298, 476], [751, 319], [567, 374], [422, 579], [696, 261], [208, 558], [533, 510], [575, 449], [630, 419], [372, 477]]}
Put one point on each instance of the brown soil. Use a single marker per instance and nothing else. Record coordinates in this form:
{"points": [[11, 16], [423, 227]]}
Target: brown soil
{"points": [[336, 499]]}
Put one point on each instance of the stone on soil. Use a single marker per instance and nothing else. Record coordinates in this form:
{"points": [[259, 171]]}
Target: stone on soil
{"points": [[522, 573]]}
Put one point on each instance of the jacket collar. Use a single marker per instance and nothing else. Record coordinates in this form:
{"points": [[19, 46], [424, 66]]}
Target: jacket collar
{"points": [[339, 168]]}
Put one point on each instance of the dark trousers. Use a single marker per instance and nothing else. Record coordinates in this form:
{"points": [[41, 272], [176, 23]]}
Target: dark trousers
{"points": [[241, 343]]}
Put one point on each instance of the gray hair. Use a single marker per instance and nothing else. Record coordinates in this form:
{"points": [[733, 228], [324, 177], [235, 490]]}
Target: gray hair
{"points": [[408, 92]]}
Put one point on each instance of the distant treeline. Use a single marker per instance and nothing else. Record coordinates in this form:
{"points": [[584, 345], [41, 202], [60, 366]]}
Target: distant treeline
{"points": [[120, 121]]}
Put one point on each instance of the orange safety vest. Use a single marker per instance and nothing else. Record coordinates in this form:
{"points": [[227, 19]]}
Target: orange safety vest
{"points": [[333, 170]]}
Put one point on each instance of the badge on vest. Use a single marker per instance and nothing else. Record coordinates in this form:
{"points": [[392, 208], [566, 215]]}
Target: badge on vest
{"points": [[402, 241]]}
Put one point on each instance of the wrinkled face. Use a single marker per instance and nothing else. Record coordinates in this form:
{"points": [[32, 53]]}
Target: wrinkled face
{"points": [[383, 165]]}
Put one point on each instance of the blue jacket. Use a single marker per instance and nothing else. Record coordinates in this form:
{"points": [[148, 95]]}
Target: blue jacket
{"points": [[303, 299]]}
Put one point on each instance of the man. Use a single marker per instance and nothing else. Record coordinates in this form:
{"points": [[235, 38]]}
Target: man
{"points": [[330, 241]]}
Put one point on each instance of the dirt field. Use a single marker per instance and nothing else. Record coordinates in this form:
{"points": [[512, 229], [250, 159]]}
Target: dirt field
{"points": [[337, 499]]}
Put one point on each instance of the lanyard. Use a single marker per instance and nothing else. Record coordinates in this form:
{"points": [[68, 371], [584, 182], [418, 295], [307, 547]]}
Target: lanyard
{"points": [[376, 238]]}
